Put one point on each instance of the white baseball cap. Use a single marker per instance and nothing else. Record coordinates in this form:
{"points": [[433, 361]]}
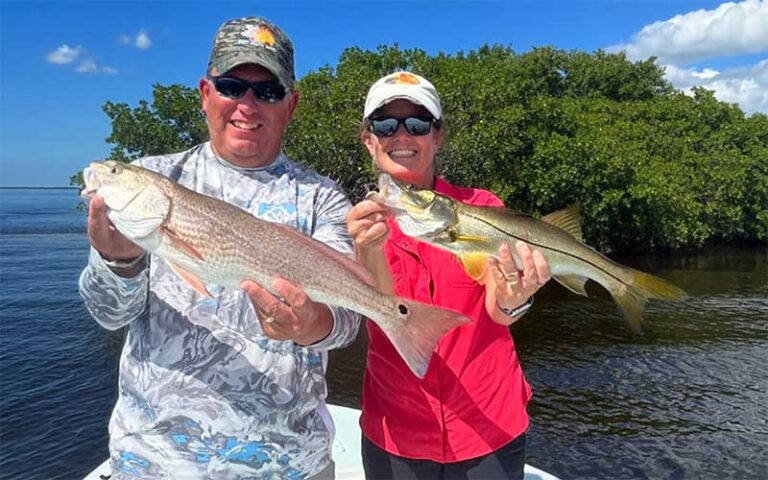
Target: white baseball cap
{"points": [[405, 85]]}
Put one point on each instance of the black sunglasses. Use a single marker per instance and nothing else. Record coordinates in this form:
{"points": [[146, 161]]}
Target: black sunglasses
{"points": [[415, 126], [265, 92]]}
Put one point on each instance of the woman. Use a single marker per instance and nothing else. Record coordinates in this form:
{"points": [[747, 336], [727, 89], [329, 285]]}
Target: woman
{"points": [[467, 417]]}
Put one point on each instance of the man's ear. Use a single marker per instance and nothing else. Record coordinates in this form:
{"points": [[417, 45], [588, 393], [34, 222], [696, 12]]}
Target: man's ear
{"points": [[204, 87], [293, 100]]}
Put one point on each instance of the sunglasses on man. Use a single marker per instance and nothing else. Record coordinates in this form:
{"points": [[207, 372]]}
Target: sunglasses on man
{"points": [[415, 126], [232, 87]]}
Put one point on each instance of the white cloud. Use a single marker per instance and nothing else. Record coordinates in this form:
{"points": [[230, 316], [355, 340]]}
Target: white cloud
{"points": [[683, 42], [65, 54], [747, 86], [89, 65], [730, 29], [141, 41]]}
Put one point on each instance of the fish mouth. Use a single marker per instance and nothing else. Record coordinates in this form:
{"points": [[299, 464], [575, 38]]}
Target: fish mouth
{"points": [[403, 196], [92, 183], [411, 208]]}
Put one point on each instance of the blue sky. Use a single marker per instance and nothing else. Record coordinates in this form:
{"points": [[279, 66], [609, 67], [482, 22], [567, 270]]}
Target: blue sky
{"points": [[61, 61]]}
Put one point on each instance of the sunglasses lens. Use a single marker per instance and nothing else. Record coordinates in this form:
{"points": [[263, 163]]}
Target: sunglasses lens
{"points": [[230, 87], [415, 126], [384, 127], [268, 92], [418, 126]]}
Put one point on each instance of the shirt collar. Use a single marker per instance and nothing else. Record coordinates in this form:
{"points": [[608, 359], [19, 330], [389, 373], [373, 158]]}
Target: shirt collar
{"points": [[275, 165]]}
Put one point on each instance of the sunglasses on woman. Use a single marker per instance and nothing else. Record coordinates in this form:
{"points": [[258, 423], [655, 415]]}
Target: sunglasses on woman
{"points": [[415, 126], [265, 92]]}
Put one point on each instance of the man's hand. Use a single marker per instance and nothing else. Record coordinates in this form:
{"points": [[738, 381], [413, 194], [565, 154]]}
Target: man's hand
{"points": [[510, 286], [292, 316], [105, 238]]}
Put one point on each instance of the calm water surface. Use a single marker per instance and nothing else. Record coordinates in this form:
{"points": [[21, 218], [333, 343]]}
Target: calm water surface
{"points": [[687, 400]]}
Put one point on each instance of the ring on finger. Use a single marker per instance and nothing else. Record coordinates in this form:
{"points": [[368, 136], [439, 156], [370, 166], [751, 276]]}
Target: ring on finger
{"points": [[511, 278]]}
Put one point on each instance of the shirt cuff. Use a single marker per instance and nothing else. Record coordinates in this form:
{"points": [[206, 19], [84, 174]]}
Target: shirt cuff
{"points": [[343, 331], [99, 268]]}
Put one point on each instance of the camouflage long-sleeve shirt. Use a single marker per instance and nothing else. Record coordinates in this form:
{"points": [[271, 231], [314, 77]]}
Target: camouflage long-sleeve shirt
{"points": [[203, 393]]}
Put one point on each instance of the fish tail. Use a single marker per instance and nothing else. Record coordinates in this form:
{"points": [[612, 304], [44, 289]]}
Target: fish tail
{"points": [[417, 330], [632, 296]]}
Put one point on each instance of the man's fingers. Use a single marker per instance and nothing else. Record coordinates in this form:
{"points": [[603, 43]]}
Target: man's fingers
{"points": [[292, 295], [97, 215], [259, 295]]}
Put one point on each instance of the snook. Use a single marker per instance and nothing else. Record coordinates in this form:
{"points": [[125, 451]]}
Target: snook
{"points": [[204, 239], [475, 233]]}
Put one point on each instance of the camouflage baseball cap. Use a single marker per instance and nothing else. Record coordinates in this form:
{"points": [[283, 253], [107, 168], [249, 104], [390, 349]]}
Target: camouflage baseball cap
{"points": [[253, 40]]}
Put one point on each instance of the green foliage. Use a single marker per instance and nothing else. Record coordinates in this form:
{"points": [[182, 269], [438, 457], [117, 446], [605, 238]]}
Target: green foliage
{"points": [[651, 167]]}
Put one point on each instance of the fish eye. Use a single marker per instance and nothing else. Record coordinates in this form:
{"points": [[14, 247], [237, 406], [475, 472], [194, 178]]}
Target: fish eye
{"points": [[116, 169]]}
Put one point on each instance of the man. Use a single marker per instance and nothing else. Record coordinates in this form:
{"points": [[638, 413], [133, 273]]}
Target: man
{"points": [[234, 386]]}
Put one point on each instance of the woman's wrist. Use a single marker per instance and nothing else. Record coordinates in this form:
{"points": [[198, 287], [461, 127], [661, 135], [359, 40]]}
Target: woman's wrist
{"points": [[516, 311]]}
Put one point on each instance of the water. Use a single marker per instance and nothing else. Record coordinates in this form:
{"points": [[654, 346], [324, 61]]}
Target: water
{"points": [[687, 400]]}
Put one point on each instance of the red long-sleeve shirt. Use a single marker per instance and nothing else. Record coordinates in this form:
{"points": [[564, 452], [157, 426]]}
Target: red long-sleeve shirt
{"points": [[472, 400]]}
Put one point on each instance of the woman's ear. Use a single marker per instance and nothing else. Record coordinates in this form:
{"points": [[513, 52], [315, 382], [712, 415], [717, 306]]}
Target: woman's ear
{"points": [[369, 142], [438, 137]]}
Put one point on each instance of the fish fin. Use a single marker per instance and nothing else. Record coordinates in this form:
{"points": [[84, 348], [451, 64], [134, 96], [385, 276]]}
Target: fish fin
{"points": [[181, 244], [191, 279], [474, 264], [471, 239], [568, 219], [416, 329], [574, 283], [632, 296]]}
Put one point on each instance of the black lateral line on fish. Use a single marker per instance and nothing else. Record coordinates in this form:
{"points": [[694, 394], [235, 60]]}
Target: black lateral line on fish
{"points": [[547, 247]]}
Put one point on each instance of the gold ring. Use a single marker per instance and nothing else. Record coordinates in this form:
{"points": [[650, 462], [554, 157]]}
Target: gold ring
{"points": [[269, 319]]}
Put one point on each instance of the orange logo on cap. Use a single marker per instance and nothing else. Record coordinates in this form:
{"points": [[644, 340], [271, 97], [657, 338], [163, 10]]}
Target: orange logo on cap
{"points": [[403, 78], [262, 35]]}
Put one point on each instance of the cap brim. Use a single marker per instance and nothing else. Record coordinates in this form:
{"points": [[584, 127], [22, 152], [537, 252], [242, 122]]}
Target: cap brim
{"points": [[267, 62], [411, 97]]}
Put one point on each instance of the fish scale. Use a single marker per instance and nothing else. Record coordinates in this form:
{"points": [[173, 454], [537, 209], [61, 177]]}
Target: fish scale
{"points": [[205, 239], [476, 233]]}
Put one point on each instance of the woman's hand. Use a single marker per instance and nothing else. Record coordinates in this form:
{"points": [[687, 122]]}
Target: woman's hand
{"points": [[510, 287], [367, 224]]}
